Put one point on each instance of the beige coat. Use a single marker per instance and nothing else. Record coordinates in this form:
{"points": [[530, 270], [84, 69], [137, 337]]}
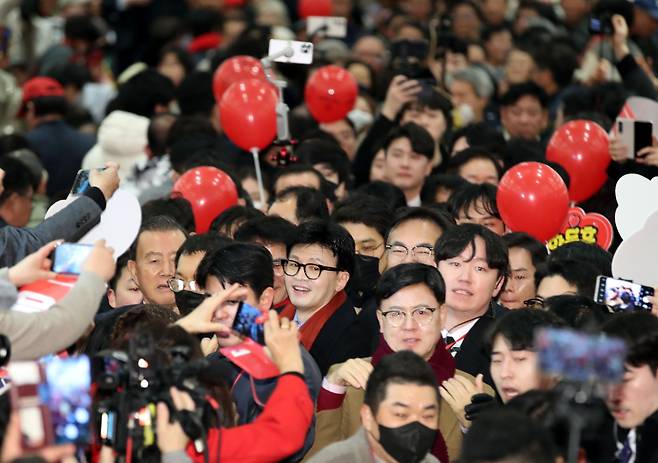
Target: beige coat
{"points": [[343, 422]]}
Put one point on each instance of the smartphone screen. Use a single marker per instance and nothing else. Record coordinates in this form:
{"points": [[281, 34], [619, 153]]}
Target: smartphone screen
{"points": [[622, 296], [248, 322], [66, 394], [81, 183], [578, 356], [69, 257], [643, 132]]}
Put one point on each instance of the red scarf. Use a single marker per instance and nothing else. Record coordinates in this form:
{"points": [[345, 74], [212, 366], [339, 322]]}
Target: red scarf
{"points": [[312, 327], [443, 366]]}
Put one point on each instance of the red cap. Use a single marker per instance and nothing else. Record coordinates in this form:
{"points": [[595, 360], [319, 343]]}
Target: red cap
{"points": [[39, 87]]}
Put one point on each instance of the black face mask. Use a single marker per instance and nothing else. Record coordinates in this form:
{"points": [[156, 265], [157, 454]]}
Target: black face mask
{"points": [[362, 283], [409, 443], [187, 301]]}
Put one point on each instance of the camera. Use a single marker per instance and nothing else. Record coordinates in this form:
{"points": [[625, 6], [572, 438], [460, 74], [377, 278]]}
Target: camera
{"points": [[601, 24], [130, 384]]}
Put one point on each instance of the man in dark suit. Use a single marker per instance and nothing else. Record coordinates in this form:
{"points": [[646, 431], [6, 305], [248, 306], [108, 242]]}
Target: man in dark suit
{"points": [[320, 261], [473, 262]]}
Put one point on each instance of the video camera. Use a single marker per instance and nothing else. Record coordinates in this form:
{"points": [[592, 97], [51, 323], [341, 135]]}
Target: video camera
{"points": [[130, 384]]}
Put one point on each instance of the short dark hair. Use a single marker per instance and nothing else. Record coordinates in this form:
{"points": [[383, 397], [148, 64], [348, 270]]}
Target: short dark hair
{"points": [[442, 220], [420, 139], [317, 151], [471, 153], [205, 242], [518, 327], [269, 229], [18, 178], [592, 254], [310, 203], [631, 326], [179, 209], [329, 235], [294, 169], [434, 182], [194, 94], [578, 312], [518, 91], [234, 215], [503, 434], [403, 275], [480, 134], [386, 191], [137, 317], [244, 263], [558, 58], [432, 100], [536, 248], [46, 105], [369, 210], [402, 367], [578, 273], [456, 239], [644, 352], [470, 194], [122, 262], [158, 223], [143, 92]]}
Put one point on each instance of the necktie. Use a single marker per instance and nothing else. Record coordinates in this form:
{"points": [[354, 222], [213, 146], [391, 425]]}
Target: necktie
{"points": [[450, 345], [626, 452]]}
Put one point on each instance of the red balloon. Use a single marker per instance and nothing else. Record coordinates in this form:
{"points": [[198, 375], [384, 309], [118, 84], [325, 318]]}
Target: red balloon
{"points": [[330, 93], [209, 190], [233, 70], [308, 8], [581, 147], [247, 113], [533, 198]]}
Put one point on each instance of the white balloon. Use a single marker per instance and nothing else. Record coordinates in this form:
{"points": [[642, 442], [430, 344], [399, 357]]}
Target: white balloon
{"points": [[636, 256], [637, 199]]}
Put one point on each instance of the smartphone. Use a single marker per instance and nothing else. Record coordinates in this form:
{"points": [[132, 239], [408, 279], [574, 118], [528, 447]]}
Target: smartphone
{"points": [[622, 295], [53, 401], [249, 322], [636, 135], [81, 183], [580, 357], [68, 258]]}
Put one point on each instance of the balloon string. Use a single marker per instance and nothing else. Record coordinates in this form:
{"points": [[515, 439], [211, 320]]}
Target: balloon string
{"points": [[259, 176]]}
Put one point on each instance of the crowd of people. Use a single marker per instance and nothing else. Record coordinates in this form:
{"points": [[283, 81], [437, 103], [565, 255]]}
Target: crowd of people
{"points": [[397, 309]]}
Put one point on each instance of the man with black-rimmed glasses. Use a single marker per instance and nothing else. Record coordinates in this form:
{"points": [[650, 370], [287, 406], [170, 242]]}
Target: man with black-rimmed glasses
{"points": [[318, 267]]}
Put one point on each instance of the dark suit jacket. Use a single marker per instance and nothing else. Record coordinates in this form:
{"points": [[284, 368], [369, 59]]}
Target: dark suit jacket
{"points": [[472, 357], [341, 338]]}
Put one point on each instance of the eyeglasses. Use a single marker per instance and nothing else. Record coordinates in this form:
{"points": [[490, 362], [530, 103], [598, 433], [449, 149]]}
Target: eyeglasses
{"points": [[421, 315], [400, 251], [178, 284], [312, 271], [534, 303], [277, 266]]}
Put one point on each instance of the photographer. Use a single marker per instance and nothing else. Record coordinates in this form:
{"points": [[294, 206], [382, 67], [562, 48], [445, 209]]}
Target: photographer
{"points": [[33, 335], [279, 430]]}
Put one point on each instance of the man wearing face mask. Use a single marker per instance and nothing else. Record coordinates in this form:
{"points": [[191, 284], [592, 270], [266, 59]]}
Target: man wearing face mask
{"points": [[187, 292], [399, 415]]}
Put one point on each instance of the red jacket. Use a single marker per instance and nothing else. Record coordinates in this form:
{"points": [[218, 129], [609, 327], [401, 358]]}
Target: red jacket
{"points": [[278, 432]]}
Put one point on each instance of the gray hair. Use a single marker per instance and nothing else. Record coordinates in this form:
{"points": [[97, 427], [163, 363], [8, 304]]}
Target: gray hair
{"points": [[478, 78]]}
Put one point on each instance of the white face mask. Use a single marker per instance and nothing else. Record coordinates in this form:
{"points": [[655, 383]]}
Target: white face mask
{"points": [[462, 115], [360, 119]]}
